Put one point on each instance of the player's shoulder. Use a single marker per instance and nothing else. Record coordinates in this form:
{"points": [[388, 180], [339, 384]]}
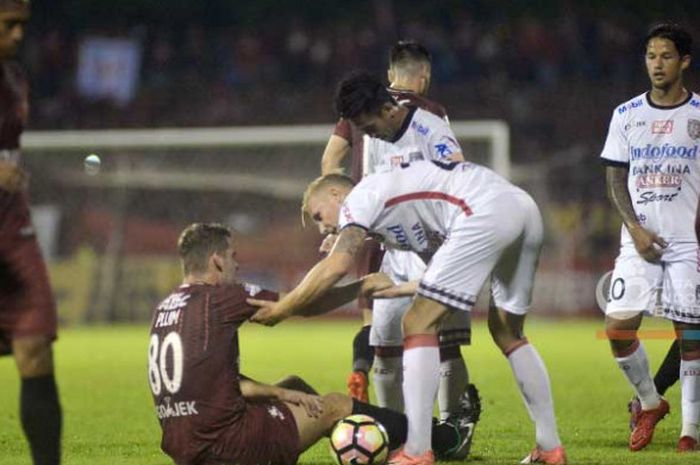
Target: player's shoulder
{"points": [[416, 100], [632, 105], [694, 101]]}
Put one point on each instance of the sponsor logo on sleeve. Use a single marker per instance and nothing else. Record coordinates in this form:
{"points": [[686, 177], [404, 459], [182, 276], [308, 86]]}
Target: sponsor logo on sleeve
{"points": [[628, 106], [420, 129], [252, 289], [662, 127], [694, 128]]}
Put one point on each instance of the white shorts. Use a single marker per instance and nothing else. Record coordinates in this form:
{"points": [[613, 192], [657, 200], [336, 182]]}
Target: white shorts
{"points": [[502, 240], [403, 266], [670, 288]]}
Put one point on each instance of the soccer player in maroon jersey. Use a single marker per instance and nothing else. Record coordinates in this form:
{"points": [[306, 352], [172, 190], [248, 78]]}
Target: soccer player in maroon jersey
{"points": [[409, 76], [27, 308], [208, 411]]}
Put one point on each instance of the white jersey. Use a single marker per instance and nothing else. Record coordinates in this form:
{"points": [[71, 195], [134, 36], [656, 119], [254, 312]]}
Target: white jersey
{"points": [[413, 206], [660, 145], [423, 136]]}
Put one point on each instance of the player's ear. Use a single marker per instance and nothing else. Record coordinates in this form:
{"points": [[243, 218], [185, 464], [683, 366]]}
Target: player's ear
{"points": [[215, 262], [685, 62]]}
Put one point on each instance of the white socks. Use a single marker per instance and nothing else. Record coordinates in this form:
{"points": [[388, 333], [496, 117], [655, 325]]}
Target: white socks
{"points": [[533, 381], [636, 369], [454, 378], [421, 360], [387, 375], [690, 397]]}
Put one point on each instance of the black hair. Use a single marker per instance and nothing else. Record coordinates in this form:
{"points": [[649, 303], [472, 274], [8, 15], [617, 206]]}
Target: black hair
{"points": [[675, 33], [360, 92], [408, 50]]}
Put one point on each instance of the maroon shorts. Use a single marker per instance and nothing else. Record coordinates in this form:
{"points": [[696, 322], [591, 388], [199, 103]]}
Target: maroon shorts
{"points": [[267, 434], [27, 307], [369, 262]]}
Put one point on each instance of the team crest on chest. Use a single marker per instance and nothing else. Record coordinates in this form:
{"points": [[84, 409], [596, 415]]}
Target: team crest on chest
{"points": [[694, 128]]}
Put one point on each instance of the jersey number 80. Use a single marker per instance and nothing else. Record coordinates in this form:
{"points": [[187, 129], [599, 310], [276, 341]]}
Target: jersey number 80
{"points": [[158, 374]]}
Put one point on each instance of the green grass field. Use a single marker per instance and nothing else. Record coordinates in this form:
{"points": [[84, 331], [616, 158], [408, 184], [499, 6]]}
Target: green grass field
{"points": [[109, 418]]}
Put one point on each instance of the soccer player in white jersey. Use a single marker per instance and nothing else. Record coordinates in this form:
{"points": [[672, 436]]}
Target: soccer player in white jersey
{"points": [[653, 180], [470, 224], [407, 133], [409, 77]]}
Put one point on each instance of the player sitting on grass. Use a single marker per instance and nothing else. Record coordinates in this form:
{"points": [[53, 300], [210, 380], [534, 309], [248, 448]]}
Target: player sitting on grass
{"points": [[208, 412]]}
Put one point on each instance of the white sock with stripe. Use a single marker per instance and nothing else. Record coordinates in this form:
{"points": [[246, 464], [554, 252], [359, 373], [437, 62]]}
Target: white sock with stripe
{"points": [[533, 381], [635, 366], [387, 375], [690, 397], [421, 361], [454, 378]]}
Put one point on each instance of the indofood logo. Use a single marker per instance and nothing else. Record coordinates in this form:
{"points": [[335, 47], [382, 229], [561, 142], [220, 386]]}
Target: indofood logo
{"points": [[659, 152]]}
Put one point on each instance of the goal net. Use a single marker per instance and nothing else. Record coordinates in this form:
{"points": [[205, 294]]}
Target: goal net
{"points": [[110, 238]]}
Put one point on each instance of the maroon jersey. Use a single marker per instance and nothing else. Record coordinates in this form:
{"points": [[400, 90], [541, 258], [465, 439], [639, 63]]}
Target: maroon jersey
{"points": [[27, 307], [193, 369], [345, 129]]}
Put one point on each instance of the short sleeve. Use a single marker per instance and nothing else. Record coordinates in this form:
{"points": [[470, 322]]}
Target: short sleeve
{"points": [[442, 142], [616, 145], [230, 301], [343, 129], [360, 208]]}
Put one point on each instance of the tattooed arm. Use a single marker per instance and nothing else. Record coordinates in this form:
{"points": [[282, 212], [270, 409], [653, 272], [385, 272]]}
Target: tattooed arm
{"points": [[317, 282], [645, 241]]}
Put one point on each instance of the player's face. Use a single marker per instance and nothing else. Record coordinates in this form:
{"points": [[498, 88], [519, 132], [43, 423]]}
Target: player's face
{"points": [[379, 125], [664, 64], [227, 265], [12, 24], [324, 208]]}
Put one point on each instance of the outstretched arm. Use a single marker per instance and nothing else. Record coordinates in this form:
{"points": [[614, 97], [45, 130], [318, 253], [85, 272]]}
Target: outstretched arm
{"points": [[645, 241], [317, 282]]}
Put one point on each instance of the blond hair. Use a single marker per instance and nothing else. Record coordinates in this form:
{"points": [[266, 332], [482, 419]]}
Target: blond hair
{"points": [[334, 178]]}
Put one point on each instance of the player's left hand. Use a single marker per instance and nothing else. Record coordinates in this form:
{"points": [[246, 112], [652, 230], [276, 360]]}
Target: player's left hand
{"points": [[311, 403], [269, 313], [374, 282]]}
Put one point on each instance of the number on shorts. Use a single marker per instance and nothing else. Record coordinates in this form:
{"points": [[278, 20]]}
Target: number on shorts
{"points": [[158, 374], [617, 290]]}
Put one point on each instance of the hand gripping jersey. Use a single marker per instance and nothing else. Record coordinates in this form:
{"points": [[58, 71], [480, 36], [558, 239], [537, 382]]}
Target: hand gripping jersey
{"points": [[660, 146], [423, 136], [413, 206]]}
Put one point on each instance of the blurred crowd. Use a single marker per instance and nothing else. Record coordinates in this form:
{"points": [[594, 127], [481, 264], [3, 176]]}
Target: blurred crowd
{"points": [[554, 75]]}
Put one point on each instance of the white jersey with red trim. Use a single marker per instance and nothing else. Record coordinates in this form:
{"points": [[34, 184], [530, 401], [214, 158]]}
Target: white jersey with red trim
{"points": [[660, 147], [423, 136], [414, 205]]}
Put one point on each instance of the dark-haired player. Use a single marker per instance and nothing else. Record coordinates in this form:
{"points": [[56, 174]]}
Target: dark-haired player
{"points": [[27, 308], [211, 414], [653, 180], [409, 76]]}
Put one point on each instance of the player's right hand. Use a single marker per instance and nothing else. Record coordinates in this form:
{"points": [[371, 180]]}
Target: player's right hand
{"points": [[12, 177], [648, 244]]}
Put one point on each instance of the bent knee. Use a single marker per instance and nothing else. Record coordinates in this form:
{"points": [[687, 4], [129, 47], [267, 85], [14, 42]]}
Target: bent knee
{"points": [[33, 356], [336, 406]]}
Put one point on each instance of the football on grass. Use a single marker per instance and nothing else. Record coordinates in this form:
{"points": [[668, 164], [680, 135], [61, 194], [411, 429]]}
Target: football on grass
{"points": [[359, 440]]}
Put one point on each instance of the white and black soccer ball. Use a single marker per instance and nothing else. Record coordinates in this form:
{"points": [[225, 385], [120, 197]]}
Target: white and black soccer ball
{"points": [[359, 440]]}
